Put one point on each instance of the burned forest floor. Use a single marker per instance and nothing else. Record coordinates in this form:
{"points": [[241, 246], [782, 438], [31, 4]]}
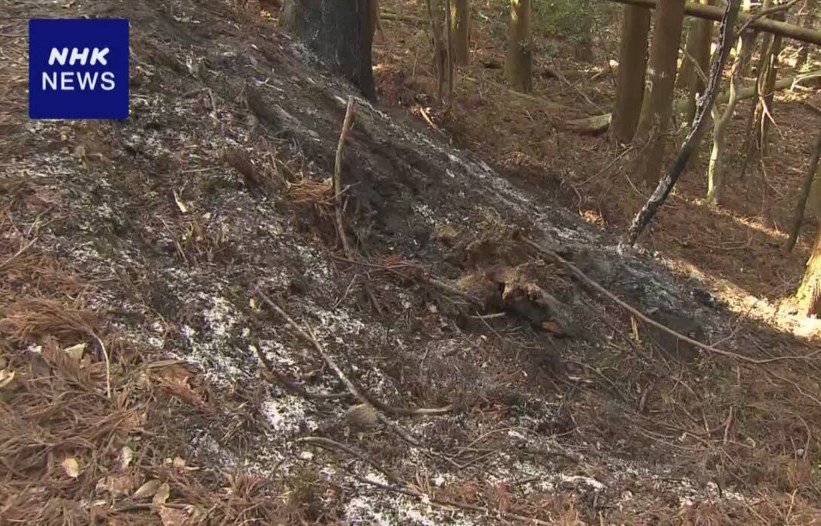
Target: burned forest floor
{"points": [[185, 338]]}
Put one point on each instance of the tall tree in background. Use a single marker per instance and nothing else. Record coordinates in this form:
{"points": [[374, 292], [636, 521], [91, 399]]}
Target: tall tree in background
{"points": [[763, 56], [809, 292], [632, 66], [376, 24], [721, 121], [699, 42], [765, 104], [442, 47], [340, 33], [666, 184], [519, 63], [747, 40], [808, 20], [657, 109], [806, 188], [460, 28]]}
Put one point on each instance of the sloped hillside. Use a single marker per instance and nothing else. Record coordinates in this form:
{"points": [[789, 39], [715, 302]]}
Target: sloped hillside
{"points": [[150, 375]]}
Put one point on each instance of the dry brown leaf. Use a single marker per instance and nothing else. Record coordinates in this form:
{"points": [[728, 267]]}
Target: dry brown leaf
{"points": [[126, 456], [175, 516], [71, 467], [147, 490], [163, 492], [6, 377], [163, 363], [175, 373], [116, 485], [75, 352], [553, 328], [179, 463]]}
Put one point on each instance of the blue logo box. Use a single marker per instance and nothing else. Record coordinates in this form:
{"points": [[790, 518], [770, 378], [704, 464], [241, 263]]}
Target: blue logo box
{"points": [[78, 68]]}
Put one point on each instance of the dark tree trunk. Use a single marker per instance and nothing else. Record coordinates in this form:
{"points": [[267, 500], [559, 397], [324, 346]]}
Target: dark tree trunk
{"points": [[340, 33], [632, 68], [657, 108]]}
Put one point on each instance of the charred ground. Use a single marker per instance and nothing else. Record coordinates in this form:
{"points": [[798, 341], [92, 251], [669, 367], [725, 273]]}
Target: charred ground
{"points": [[154, 242]]}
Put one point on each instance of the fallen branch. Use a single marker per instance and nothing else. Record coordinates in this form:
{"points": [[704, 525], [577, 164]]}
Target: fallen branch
{"points": [[576, 271], [559, 75], [346, 126], [548, 105], [338, 189], [327, 443], [309, 337], [292, 386], [487, 512]]}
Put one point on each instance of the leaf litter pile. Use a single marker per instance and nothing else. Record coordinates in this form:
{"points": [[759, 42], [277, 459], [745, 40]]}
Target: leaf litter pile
{"points": [[196, 327]]}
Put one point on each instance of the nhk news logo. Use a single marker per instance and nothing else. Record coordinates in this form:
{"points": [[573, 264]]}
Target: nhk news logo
{"points": [[78, 68]]}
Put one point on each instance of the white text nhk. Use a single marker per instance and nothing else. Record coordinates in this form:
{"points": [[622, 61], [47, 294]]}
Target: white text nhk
{"points": [[82, 80]]}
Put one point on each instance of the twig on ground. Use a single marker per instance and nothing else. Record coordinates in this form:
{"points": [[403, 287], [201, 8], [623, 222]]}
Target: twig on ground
{"points": [[489, 316], [17, 254], [309, 337], [574, 87], [292, 386], [419, 274], [643, 317], [411, 492], [447, 287], [107, 359], [346, 126], [399, 430], [327, 443], [338, 189]]}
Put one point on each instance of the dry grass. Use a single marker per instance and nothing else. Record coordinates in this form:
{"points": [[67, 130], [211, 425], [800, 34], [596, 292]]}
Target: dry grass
{"points": [[93, 431]]}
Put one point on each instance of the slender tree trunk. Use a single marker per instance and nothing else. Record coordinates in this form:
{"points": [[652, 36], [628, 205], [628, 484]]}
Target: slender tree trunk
{"points": [[750, 147], [632, 67], [766, 108], [699, 37], [808, 15], [339, 32], [440, 51], [721, 120], [686, 68], [805, 194], [665, 186], [809, 292], [460, 27], [519, 64], [699, 42], [451, 65], [376, 21], [658, 104], [747, 43]]}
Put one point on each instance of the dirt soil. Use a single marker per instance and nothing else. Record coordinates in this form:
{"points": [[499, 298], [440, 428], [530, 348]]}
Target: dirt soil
{"points": [[148, 375]]}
